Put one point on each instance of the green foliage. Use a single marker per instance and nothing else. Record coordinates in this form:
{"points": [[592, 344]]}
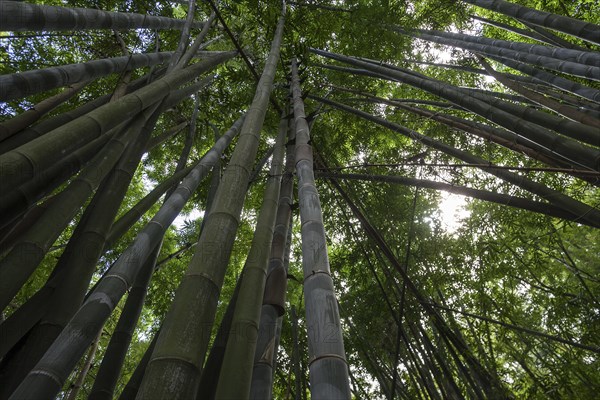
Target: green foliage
{"points": [[509, 265]]}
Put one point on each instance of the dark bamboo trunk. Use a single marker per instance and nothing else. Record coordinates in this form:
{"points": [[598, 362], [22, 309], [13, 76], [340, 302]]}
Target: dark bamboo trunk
{"points": [[571, 26], [78, 334], [20, 16]]}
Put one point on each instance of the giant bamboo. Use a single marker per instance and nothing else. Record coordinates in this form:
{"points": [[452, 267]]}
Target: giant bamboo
{"points": [[501, 136], [79, 265], [236, 373], [52, 370], [327, 364], [23, 120], [551, 79], [568, 128], [498, 198], [565, 110], [576, 56], [571, 26], [588, 157], [572, 68], [19, 200], [23, 84], [51, 123], [175, 367], [21, 16], [578, 209], [108, 373], [15, 268], [33, 157], [276, 284]]}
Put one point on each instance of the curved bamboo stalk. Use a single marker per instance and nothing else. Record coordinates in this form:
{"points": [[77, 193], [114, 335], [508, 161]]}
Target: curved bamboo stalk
{"points": [[578, 209], [584, 105], [567, 111], [175, 367], [22, 121], [53, 369], [571, 26], [576, 152], [236, 372], [497, 135], [571, 129], [498, 198], [18, 166], [557, 81], [51, 123], [78, 265], [591, 72], [20, 16], [577, 56], [327, 358], [15, 269], [23, 84]]}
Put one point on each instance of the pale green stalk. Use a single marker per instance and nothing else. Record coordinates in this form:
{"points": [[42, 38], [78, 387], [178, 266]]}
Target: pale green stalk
{"points": [[175, 368], [236, 371]]}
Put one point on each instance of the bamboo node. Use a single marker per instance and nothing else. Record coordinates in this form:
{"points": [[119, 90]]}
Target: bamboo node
{"points": [[327, 356]]}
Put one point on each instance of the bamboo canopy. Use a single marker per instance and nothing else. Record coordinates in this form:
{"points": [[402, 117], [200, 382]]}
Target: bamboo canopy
{"points": [[299, 199]]}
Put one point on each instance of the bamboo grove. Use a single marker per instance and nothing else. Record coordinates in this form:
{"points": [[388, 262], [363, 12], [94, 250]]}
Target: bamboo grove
{"points": [[234, 200]]}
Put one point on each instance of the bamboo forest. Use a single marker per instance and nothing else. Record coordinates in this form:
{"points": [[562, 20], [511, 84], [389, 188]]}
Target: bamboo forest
{"points": [[310, 199]]}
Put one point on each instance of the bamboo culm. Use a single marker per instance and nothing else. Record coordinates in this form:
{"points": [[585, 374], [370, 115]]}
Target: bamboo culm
{"points": [[51, 123], [23, 84], [90, 235], [19, 16], [21, 261], [276, 285], [53, 369], [576, 56], [10, 127], [236, 373], [183, 342], [327, 358], [16, 167], [532, 124], [578, 209], [571, 26], [569, 148], [498, 198]]}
